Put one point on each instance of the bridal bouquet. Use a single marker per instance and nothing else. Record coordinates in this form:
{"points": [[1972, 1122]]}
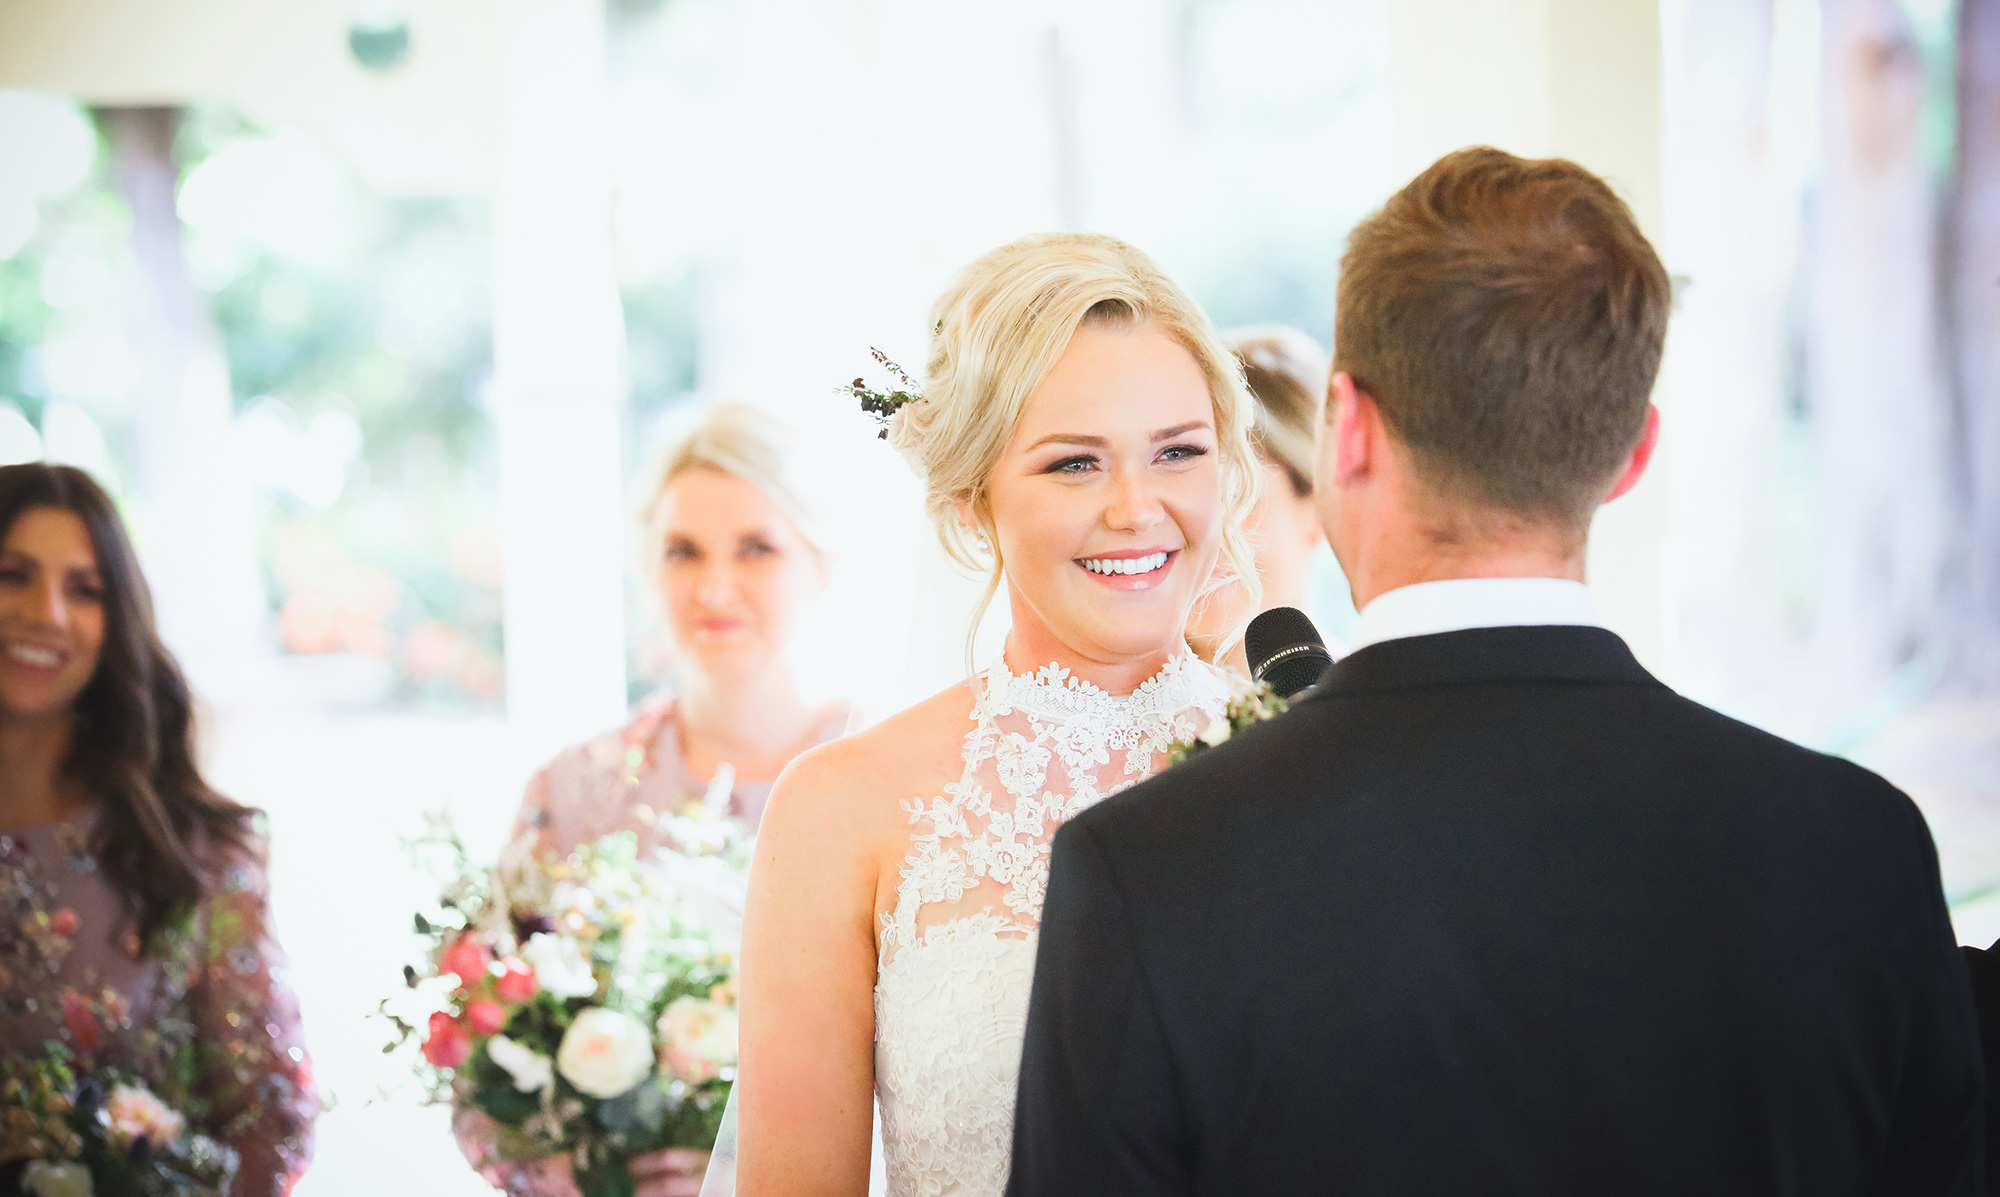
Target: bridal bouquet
{"points": [[100, 1136], [586, 1005]]}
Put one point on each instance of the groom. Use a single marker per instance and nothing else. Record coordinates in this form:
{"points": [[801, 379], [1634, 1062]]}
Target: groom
{"points": [[1494, 911]]}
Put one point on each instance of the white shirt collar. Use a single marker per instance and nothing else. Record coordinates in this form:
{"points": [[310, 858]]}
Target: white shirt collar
{"points": [[1460, 603]]}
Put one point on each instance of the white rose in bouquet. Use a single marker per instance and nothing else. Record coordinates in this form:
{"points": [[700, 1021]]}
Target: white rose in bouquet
{"points": [[532, 1071], [697, 1038], [43, 1179], [605, 1052], [562, 967]]}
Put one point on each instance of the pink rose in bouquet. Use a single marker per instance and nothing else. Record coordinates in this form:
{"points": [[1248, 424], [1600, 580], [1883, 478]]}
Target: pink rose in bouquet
{"points": [[466, 958], [516, 983], [82, 1020], [446, 1045], [485, 1016]]}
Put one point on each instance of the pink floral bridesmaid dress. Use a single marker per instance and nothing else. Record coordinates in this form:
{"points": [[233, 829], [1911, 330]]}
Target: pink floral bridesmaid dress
{"points": [[635, 779]]}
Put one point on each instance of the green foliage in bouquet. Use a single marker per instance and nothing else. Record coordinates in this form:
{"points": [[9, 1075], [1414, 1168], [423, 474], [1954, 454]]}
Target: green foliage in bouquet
{"points": [[102, 1135], [586, 1009]]}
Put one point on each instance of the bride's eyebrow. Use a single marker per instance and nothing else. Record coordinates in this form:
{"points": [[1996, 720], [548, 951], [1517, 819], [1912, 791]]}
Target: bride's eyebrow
{"points": [[1070, 438], [1098, 442]]}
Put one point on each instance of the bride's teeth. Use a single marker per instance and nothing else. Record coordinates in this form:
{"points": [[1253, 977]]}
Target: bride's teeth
{"points": [[1112, 566]]}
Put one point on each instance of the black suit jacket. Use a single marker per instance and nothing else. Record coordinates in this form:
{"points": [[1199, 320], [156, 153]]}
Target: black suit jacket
{"points": [[1494, 912], [1984, 966]]}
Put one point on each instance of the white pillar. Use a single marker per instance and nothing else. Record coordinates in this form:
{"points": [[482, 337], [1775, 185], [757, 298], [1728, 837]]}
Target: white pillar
{"points": [[1577, 79], [558, 384]]}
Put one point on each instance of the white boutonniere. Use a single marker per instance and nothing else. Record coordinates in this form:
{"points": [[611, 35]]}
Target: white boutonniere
{"points": [[1258, 705]]}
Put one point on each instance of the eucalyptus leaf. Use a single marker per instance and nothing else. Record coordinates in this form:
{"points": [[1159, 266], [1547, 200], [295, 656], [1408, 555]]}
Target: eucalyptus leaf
{"points": [[641, 1110]]}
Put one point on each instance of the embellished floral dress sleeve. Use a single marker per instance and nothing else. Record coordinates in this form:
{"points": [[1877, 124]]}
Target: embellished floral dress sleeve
{"points": [[199, 1012], [249, 1046]]}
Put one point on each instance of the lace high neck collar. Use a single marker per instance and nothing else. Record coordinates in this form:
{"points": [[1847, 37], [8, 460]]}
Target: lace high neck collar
{"points": [[1052, 694]]}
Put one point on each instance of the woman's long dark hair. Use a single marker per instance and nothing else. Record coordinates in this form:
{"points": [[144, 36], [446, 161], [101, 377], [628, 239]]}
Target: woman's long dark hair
{"points": [[132, 744]]}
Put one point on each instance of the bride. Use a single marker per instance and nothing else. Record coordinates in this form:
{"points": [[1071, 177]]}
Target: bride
{"points": [[1082, 435]]}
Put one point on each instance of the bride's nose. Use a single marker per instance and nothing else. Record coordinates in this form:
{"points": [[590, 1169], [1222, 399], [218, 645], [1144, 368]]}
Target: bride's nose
{"points": [[1133, 503]]}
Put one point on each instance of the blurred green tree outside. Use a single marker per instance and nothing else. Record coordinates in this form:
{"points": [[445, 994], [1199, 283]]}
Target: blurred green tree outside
{"points": [[356, 325]]}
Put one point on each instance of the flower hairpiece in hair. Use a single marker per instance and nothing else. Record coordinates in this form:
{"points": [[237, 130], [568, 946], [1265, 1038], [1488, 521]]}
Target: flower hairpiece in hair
{"points": [[885, 405]]}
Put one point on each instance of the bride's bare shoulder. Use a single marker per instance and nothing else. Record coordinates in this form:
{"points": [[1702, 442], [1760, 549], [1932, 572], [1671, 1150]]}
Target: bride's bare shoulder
{"points": [[912, 753]]}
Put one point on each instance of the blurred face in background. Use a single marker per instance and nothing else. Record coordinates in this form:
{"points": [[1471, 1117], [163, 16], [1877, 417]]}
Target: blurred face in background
{"points": [[1107, 501], [51, 613], [734, 573], [1283, 530]]}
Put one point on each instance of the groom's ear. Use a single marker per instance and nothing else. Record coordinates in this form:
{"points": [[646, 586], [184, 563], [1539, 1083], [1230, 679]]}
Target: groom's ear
{"points": [[1352, 422], [1642, 454]]}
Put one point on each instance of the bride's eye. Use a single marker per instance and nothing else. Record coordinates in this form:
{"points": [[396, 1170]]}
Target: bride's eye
{"points": [[1081, 463], [1183, 452]]}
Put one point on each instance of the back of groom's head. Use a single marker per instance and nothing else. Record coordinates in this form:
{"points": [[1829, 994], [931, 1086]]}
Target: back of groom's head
{"points": [[1507, 316]]}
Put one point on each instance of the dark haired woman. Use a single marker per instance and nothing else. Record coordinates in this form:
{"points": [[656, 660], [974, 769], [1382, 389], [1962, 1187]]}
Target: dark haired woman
{"points": [[132, 896]]}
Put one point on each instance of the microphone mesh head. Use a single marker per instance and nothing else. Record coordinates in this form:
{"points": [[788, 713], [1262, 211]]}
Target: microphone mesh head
{"points": [[1278, 628], [1271, 634]]}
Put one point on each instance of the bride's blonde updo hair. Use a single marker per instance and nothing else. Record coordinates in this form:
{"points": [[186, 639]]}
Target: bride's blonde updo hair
{"points": [[997, 332]]}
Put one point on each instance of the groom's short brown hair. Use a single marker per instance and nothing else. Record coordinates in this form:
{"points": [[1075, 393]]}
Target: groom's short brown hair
{"points": [[1507, 317]]}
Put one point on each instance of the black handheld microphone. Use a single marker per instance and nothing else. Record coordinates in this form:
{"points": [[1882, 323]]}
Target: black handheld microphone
{"points": [[1285, 650]]}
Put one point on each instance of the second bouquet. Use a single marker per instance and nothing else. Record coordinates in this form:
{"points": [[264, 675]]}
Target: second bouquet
{"points": [[585, 1005]]}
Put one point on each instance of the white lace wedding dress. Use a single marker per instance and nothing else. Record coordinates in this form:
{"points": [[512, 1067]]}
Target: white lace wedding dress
{"points": [[958, 951]]}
